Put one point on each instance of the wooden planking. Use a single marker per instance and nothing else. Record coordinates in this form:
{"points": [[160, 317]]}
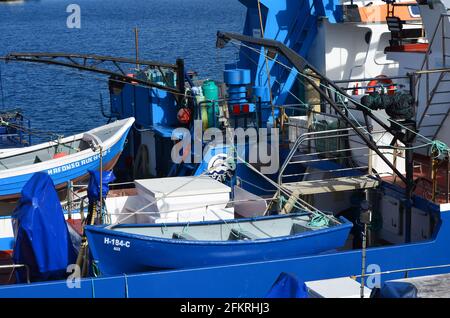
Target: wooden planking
{"points": [[332, 185]]}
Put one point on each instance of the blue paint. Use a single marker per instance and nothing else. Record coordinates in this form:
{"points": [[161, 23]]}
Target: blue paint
{"points": [[254, 279], [6, 243], [64, 173], [139, 253], [291, 22]]}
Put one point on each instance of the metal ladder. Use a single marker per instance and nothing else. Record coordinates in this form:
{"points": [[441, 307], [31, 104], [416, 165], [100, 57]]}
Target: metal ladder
{"points": [[437, 85]]}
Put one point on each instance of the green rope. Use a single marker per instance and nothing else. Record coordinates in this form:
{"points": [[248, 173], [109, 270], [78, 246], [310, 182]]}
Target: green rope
{"points": [[439, 148], [318, 221], [95, 270]]}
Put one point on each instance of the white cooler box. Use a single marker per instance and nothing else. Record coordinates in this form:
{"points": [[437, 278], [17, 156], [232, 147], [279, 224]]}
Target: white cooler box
{"points": [[184, 199]]}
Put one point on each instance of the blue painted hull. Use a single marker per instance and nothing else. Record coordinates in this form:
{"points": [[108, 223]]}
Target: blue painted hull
{"points": [[78, 169], [256, 278], [137, 253]]}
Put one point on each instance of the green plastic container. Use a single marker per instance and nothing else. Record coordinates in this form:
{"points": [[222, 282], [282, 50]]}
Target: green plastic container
{"points": [[211, 92]]}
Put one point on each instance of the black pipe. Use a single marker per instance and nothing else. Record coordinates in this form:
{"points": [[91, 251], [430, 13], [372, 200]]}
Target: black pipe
{"points": [[180, 78]]}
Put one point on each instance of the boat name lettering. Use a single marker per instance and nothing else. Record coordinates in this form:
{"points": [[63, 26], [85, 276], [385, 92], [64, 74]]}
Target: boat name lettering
{"points": [[116, 242], [76, 164]]}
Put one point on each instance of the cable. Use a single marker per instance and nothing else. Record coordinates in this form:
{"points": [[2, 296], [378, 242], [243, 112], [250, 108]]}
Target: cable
{"points": [[429, 141]]}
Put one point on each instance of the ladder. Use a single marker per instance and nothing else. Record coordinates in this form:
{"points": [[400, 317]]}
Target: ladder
{"points": [[436, 109]]}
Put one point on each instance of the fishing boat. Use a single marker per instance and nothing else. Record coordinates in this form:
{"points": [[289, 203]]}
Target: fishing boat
{"points": [[407, 227], [66, 159], [15, 130], [138, 248]]}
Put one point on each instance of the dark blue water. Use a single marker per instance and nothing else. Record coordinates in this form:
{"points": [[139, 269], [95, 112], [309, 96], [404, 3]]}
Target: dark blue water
{"points": [[67, 101]]}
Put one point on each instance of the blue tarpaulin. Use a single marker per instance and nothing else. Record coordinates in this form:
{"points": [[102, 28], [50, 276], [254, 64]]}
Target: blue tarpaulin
{"points": [[287, 286], [42, 238], [94, 184]]}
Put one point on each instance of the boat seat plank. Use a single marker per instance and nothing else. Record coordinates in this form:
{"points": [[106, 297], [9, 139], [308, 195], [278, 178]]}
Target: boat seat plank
{"points": [[239, 234], [183, 236]]}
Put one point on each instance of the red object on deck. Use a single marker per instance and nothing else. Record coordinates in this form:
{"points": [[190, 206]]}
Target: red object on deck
{"points": [[76, 225], [131, 75], [355, 90], [236, 109], [59, 155], [184, 115], [409, 48]]}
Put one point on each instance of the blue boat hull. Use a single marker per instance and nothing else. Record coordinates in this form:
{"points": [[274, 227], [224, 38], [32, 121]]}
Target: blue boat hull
{"points": [[116, 252], [10, 187]]}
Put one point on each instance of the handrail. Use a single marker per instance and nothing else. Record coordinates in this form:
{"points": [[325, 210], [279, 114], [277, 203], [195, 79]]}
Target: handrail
{"points": [[302, 138], [15, 266]]}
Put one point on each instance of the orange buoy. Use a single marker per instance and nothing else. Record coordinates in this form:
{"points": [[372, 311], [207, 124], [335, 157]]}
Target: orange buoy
{"points": [[381, 79]]}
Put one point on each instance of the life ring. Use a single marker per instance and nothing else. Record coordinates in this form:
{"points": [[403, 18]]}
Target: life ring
{"points": [[381, 79]]}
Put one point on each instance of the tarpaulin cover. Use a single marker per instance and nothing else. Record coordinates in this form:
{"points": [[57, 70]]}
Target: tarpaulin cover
{"points": [[287, 286], [430, 286], [42, 237], [94, 184]]}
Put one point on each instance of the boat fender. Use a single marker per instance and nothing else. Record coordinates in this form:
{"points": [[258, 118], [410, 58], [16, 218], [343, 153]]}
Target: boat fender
{"points": [[381, 80]]}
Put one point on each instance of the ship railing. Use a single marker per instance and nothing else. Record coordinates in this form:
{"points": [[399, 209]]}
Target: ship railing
{"points": [[427, 185], [341, 146], [360, 86], [15, 267], [239, 113]]}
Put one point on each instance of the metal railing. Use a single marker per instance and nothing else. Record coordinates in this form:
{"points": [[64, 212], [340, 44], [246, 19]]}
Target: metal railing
{"points": [[331, 145], [18, 266], [425, 70]]}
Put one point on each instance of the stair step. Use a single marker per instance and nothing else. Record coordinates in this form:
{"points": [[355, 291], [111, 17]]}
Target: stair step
{"points": [[440, 103], [423, 126], [332, 185]]}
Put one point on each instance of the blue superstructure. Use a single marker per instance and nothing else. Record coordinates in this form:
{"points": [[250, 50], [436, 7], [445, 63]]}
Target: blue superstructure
{"points": [[291, 22]]}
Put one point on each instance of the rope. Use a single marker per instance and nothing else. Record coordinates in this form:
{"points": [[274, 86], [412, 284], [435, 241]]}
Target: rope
{"points": [[164, 196], [92, 287], [126, 286], [439, 148], [429, 141], [300, 203], [318, 221]]}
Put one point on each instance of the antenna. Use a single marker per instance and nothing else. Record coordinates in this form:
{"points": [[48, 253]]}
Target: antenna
{"points": [[1, 88], [136, 43]]}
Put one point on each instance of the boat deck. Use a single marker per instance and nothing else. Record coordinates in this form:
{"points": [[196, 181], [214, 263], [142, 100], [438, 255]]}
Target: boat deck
{"points": [[422, 175]]}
